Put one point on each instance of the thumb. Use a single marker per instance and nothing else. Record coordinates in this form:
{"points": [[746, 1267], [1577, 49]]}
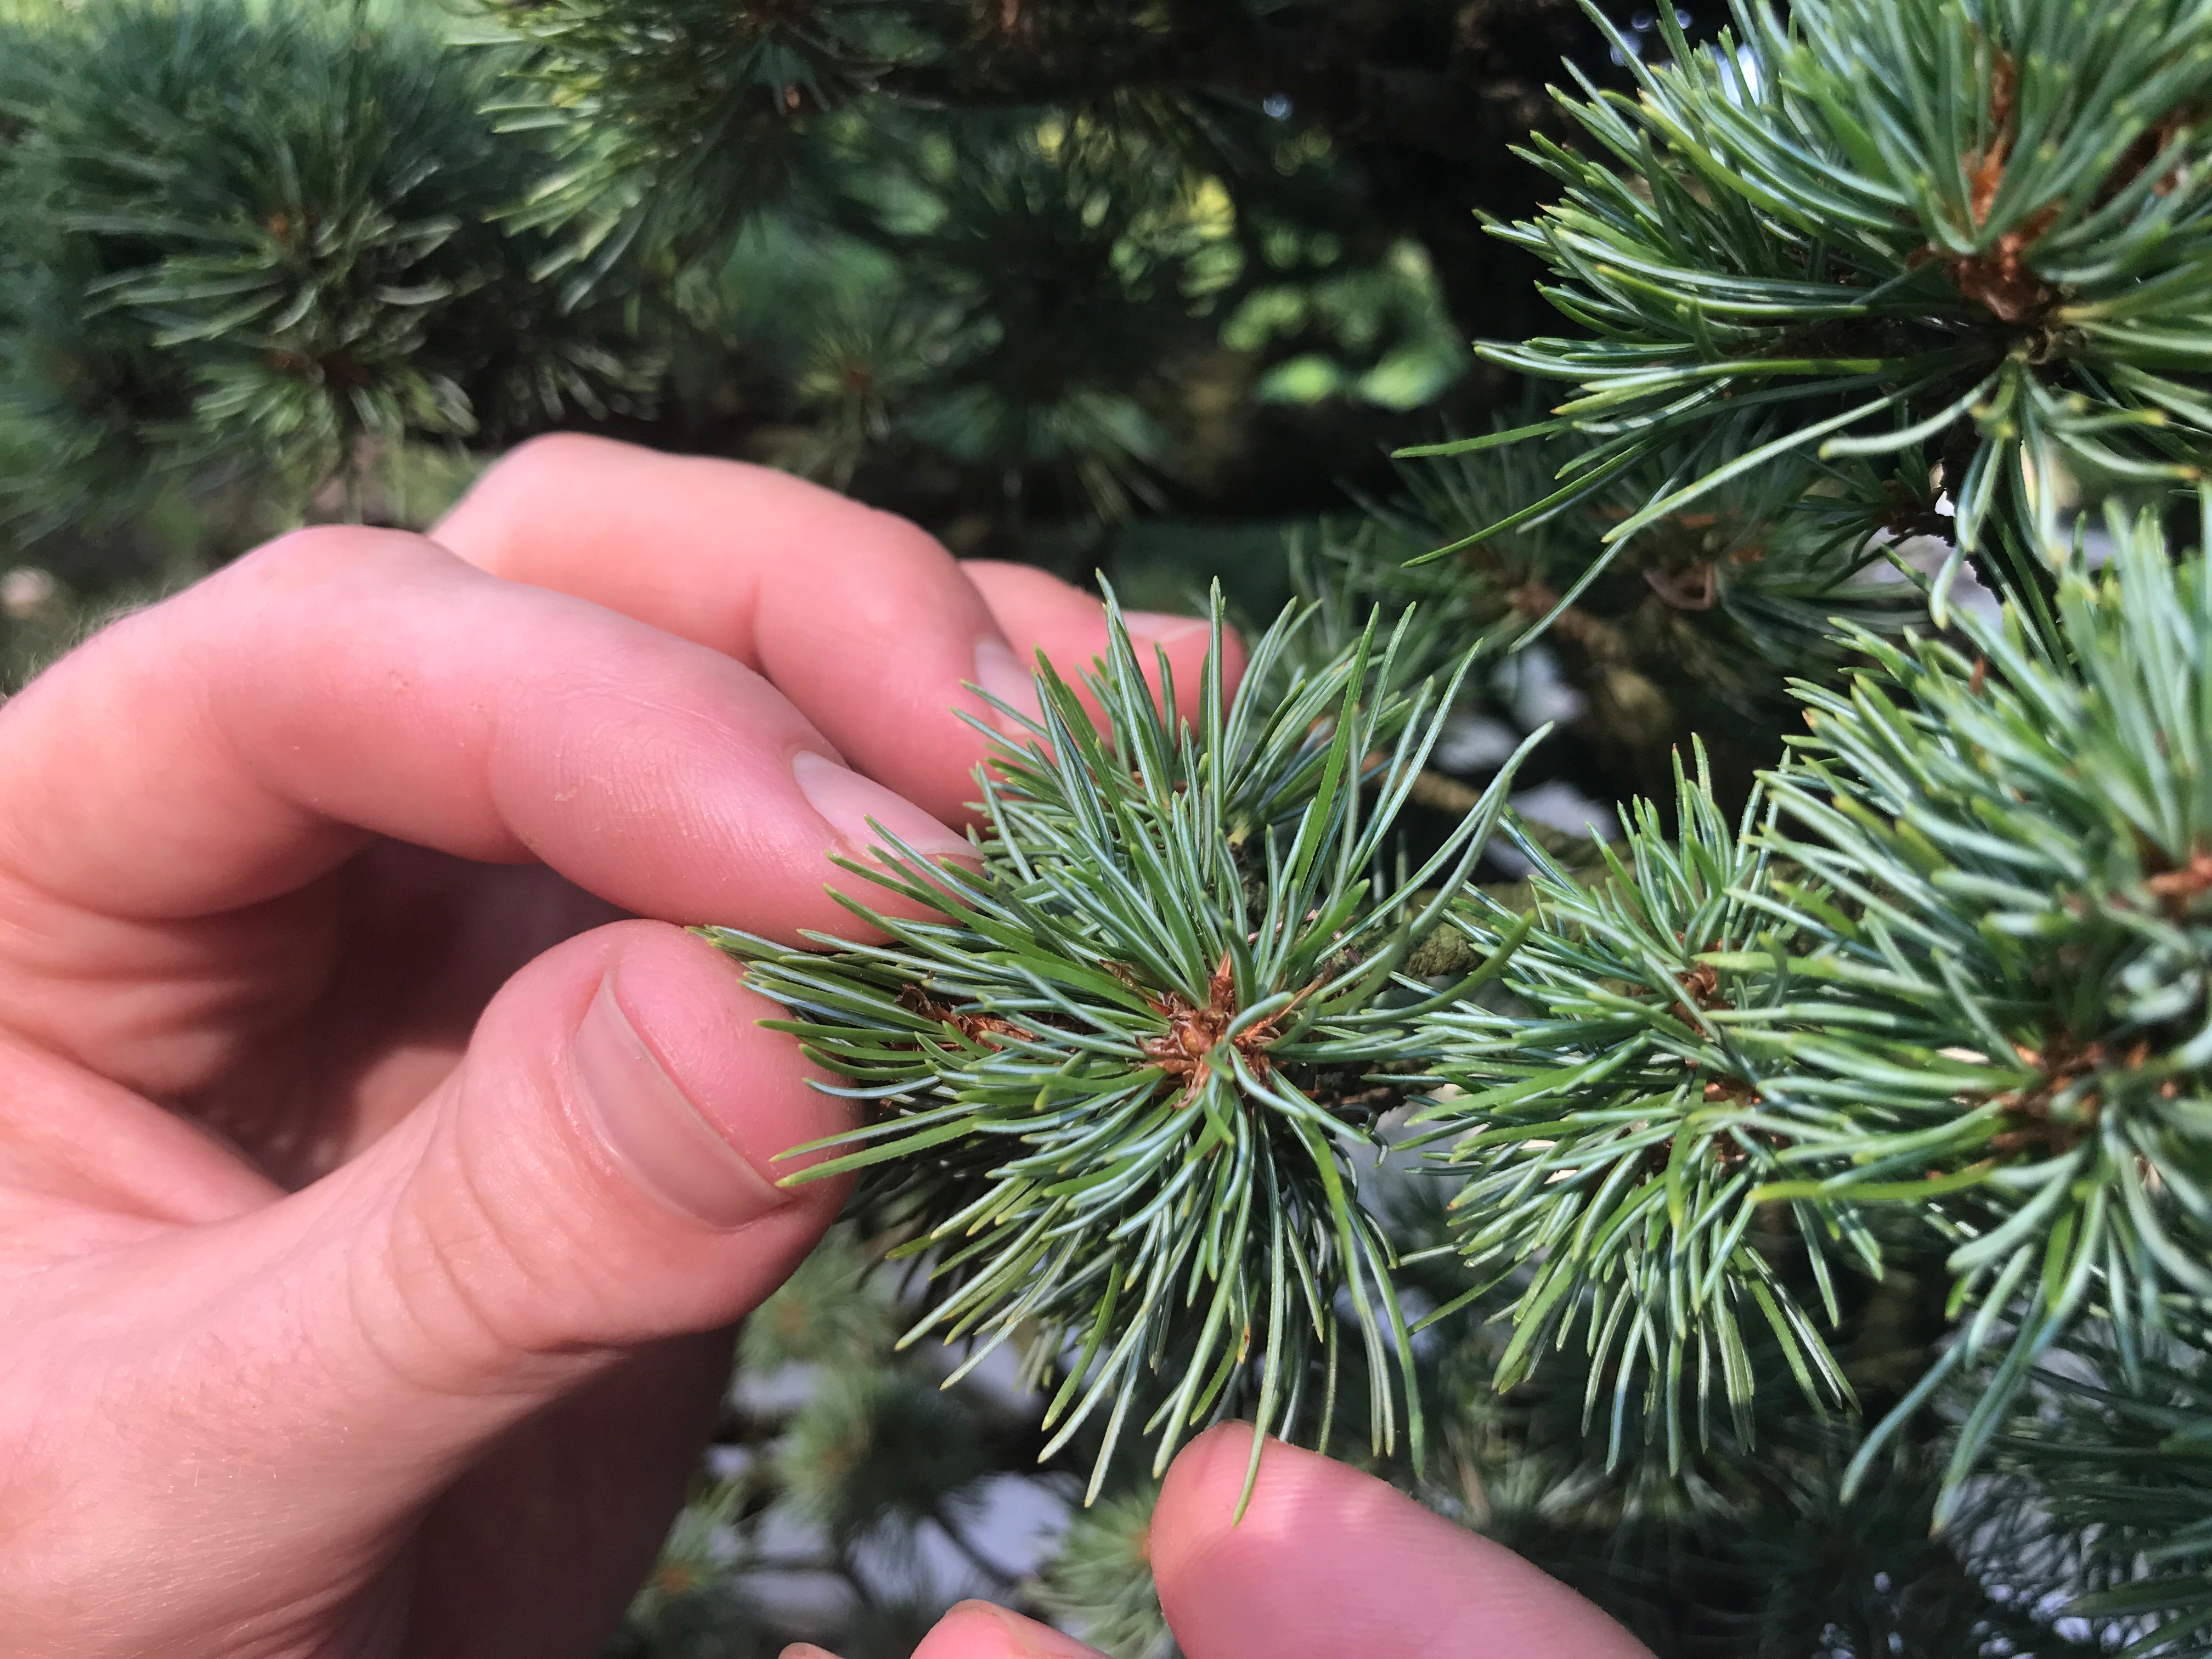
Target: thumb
{"points": [[599, 1172], [596, 1175]]}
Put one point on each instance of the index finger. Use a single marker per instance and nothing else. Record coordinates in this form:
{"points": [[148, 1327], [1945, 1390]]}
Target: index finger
{"points": [[859, 617], [218, 751]]}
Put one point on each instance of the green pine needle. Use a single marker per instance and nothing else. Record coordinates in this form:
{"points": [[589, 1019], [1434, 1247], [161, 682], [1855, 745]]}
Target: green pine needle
{"points": [[1974, 982], [2121, 1463]]}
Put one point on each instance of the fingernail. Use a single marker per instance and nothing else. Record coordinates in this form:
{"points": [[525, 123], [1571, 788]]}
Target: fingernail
{"points": [[1032, 1640], [806, 1651], [1161, 627], [651, 1129], [1001, 673], [848, 801]]}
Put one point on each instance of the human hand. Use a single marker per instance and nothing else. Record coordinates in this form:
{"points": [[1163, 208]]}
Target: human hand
{"points": [[328, 855], [1326, 1563]]}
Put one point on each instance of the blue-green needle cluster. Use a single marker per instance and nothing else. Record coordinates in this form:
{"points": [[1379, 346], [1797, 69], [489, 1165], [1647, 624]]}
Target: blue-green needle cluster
{"points": [[2008, 920], [1945, 981], [1616, 1129], [1984, 226], [1126, 1075], [1957, 970]]}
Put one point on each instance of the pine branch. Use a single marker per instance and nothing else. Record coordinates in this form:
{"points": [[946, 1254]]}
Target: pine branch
{"points": [[259, 246], [1125, 1083], [1619, 1134], [2008, 857], [1718, 601], [1884, 223]]}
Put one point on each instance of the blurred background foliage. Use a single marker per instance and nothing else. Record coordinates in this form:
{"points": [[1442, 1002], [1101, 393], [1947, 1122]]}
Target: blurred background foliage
{"points": [[1034, 275]]}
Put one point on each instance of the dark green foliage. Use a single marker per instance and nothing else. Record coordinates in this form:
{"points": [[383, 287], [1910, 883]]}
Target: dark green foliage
{"points": [[1046, 296], [1102, 251], [830, 1312], [692, 1607], [673, 120], [1060, 263], [2123, 1462], [1756, 576], [256, 243], [681, 120], [873, 1445], [1838, 1572], [1689, 631], [1060, 275]]}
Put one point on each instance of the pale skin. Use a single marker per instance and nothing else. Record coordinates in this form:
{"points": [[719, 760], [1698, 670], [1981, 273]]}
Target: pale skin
{"points": [[382, 1167]]}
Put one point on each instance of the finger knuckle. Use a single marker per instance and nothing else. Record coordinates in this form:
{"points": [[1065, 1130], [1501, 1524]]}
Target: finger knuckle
{"points": [[322, 555], [457, 1301]]}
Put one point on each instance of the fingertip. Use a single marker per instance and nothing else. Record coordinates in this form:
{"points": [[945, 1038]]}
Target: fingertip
{"points": [[970, 1631], [858, 616], [978, 1630], [1204, 1489], [1324, 1559], [1040, 612], [615, 1134], [1202, 1486], [590, 1180]]}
